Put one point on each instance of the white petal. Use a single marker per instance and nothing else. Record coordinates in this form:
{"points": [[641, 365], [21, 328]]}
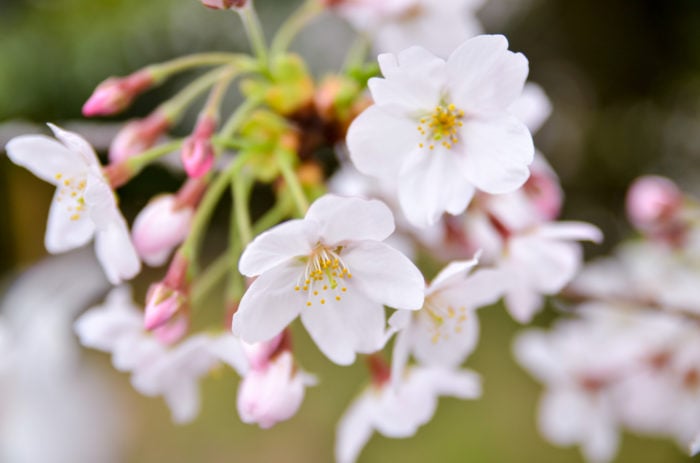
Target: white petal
{"points": [[342, 219], [354, 430], [44, 157], [462, 384], [602, 441], [497, 151], [484, 75], [481, 288], [448, 344], [532, 107], [228, 349], [78, 145], [522, 301], [562, 416], [454, 272], [544, 265], [66, 229], [385, 275], [116, 253], [431, 183], [270, 303], [401, 352], [535, 353], [578, 231], [378, 142], [269, 249], [183, 400]]}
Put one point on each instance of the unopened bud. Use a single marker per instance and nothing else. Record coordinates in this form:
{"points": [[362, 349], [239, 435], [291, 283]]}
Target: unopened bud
{"points": [[224, 4], [159, 227], [116, 94], [197, 151], [137, 136], [543, 190], [653, 203], [162, 303], [173, 330]]}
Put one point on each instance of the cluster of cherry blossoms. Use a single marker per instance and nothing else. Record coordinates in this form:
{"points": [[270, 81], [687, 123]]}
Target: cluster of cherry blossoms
{"points": [[437, 164]]}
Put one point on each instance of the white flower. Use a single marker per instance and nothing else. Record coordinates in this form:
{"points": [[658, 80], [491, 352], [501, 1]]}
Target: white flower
{"points": [[446, 330], [440, 130], [399, 411], [157, 369], [398, 24], [274, 393], [84, 205], [332, 268]]}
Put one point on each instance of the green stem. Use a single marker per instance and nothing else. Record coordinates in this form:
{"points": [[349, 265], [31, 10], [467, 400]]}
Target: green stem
{"points": [[308, 11], [211, 108], [240, 188], [236, 284], [273, 216], [162, 71], [254, 31], [237, 118], [292, 182], [174, 107], [137, 163], [357, 52], [214, 273]]}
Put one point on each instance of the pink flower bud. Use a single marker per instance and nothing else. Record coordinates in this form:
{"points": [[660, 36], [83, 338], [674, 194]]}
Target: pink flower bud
{"points": [[653, 202], [224, 4], [544, 192], [115, 94], [159, 227], [259, 353], [162, 303], [197, 152], [274, 394], [172, 331], [137, 136]]}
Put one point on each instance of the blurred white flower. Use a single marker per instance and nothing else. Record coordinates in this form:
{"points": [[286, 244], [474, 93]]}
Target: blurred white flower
{"points": [[84, 205]]}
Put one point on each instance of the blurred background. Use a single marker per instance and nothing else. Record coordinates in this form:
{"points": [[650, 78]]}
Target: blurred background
{"points": [[624, 80]]}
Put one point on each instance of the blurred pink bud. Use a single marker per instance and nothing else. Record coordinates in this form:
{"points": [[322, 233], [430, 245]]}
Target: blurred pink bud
{"points": [[162, 303], [274, 394], [224, 4], [159, 227], [259, 353], [197, 152], [544, 192], [116, 93], [653, 203], [137, 136], [172, 331]]}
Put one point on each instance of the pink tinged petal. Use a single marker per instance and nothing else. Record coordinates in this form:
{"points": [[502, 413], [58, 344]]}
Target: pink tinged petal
{"points": [[101, 327], [290, 239], [602, 441], [379, 141], [354, 430], [342, 328], [66, 229], [562, 416], [136, 351], [497, 151], [270, 303], [694, 447], [344, 219], [78, 145], [522, 301], [158, 228], [116, 253], [430, 184], [484, 76], [258, 354], [385, 275], [44, 157], [183, 400], [537, 354]]}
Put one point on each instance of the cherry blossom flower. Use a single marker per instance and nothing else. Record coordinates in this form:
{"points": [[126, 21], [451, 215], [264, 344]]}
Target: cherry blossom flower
{"points": [[157, 369], [332, 269], [84, 206], [442, 129], [446, 330], [399, 411], [397, 24]]}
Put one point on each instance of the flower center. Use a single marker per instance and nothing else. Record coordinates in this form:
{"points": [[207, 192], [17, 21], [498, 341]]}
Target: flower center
{"points": [[71, 191], [324, 277], [440, 127], [442, 320]]}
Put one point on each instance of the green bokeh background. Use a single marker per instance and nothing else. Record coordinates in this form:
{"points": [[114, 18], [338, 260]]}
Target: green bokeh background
{"points": [[624, 79]]}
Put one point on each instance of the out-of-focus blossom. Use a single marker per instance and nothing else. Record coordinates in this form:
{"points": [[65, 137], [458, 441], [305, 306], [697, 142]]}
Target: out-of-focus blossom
{"points": [[654, 205], [398, 24], [332, 268], [54, 406], [441, 129], [399, 409], [116, 94], [445, 331], [224, 4], [273, 393], [137, 136], [159, 227], [157, 369], [84, 205], [532, 107]]}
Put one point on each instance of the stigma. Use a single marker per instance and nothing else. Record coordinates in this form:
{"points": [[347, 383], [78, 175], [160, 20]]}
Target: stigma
{"points": [[440, 128]]}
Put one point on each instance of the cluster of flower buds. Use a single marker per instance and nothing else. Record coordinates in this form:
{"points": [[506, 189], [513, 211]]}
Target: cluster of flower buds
{"points": [[441, 153]]}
